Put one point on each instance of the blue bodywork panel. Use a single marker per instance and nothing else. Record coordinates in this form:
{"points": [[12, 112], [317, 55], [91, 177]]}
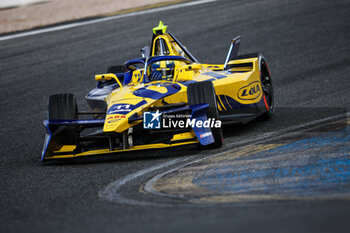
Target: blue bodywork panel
{"points": [[203, 134]]}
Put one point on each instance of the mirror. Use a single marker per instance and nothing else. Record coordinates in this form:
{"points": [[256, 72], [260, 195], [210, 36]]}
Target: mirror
{"points": [[109, 76], [194, 66], [132, 68], [146, 51]]}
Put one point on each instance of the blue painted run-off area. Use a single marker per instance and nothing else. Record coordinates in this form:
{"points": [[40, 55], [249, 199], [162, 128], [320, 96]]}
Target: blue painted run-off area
{"points": [[315, 166]]}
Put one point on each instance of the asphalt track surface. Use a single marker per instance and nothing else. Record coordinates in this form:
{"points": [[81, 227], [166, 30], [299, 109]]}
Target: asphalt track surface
{"points": [[307, 46]]}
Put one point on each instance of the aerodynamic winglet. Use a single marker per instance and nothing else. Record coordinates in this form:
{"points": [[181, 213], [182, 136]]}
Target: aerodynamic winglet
{"points": [[233, 51]]}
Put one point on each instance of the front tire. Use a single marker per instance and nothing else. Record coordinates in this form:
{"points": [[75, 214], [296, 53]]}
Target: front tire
{"points": [[204, 92], [64, 107]]}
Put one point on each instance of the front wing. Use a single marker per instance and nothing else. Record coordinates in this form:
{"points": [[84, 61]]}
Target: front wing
{"points": [[54, 150]]}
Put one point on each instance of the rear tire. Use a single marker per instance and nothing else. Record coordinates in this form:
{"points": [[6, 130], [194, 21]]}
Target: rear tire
{"points": [[204, 92], [266, 84], [117, 69], [64, 107]]}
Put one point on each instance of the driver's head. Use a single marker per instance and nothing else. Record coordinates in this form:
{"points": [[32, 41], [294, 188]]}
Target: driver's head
{"points": [[162, 70]]}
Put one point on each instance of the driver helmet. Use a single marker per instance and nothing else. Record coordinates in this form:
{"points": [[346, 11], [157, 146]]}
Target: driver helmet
{"points": [[162, 70]]}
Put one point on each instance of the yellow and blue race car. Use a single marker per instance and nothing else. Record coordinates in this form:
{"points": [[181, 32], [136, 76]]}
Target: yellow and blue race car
{"points": [[163, 99]]}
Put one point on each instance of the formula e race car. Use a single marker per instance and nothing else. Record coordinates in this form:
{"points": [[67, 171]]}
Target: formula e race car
{"points": [[165, 98]]}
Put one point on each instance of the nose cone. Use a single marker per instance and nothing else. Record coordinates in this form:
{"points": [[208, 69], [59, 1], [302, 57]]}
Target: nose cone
{"points": [[114, 122], [119, 112]]}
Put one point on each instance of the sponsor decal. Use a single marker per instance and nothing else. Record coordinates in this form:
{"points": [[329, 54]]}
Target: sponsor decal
{"points": [[115, 118], [124, 108], [205, 135], [119, 109], [250, 92], [215, 75], [113, 121], [148, 92]]}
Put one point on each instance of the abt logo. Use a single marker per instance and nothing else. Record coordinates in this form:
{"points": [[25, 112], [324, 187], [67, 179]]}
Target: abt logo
{"points": [[151, 120], [119, 109]]}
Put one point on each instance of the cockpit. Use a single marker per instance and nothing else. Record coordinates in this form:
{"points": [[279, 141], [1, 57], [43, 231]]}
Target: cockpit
{"points": [[161, 70], [161, 47], [164, 67], [163, 60]]}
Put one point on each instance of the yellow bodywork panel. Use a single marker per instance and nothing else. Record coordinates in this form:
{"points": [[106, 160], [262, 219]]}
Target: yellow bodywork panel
{"points": [[137, 77], [241, 84], [187, 72], [182, 136], [67, 148], [109, 76]]}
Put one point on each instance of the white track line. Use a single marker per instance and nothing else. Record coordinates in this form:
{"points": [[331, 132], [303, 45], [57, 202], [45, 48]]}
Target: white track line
{"points": [[110, 192], [99, 20]]}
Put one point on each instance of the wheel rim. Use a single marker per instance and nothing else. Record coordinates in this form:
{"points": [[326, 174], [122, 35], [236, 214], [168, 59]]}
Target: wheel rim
{"points": [[267, 90]]}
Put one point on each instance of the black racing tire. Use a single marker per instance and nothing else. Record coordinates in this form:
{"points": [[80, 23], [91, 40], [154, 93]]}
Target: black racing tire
{"points": [[267, 88], [117, 69], [248, 55], [266, 84], [204, 92], [64, 107]]}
